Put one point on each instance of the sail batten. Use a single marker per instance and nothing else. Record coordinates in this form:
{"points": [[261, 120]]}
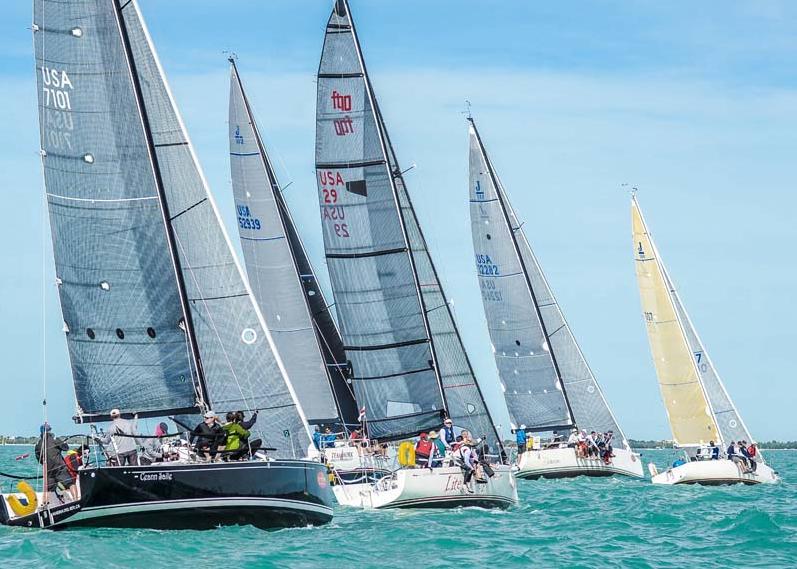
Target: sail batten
{"points": [[276, 262], [387, 295], [689, 411], [546, 380]]}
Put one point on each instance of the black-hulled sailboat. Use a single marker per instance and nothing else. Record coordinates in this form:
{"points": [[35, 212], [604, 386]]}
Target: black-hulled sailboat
{"points": [[287, 291], [546, 381], [158, 317], [408, 366]]}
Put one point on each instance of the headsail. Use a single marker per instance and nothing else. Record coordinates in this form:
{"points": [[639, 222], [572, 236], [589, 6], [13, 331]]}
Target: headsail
{"points": [[281, 276], [690, 415], [527, 327], [407, 358], [134, 153], [729, 422]]}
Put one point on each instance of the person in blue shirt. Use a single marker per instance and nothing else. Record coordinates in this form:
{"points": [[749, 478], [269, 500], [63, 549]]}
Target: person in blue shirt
{"points": [[520, 437], [317, 438], [328, 438], [715, 450]]}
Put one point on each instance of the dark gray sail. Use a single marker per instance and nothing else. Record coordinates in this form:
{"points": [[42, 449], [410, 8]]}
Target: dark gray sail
{"points": [[407, 357], [281, 276], [116, 280], [522, 313], [233, 360], [381, 317]]}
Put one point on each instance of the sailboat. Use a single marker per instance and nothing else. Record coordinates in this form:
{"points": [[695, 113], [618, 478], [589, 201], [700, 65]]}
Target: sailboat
{"points": [[544, 376], [700, 411], [406, 360], [287, 291], [158, 318]]}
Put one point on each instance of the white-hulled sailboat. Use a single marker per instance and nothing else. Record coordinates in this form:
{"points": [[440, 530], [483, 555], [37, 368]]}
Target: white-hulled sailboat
{"points": [[546, 381], [406, 360], [698, 407]]}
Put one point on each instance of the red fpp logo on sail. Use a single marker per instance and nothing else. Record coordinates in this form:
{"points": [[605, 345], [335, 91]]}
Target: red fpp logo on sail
{"points": [[341, 102]]}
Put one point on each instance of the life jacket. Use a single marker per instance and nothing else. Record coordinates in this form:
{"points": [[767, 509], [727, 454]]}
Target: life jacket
{"points": [[73, 460], [423, 448], [448, 434]]}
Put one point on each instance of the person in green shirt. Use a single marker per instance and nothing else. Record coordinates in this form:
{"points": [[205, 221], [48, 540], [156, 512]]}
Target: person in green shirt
{"points": [[438, 450], [236, 435]]}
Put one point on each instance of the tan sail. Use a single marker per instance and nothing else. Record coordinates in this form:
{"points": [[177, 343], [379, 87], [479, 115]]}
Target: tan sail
{"points": [[690, 417]]}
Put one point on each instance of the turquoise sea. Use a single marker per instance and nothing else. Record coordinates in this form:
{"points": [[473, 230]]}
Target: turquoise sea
{"points": [[611, 522]]}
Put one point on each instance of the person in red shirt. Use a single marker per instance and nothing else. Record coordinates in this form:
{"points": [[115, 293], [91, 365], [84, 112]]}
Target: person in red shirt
{"points": [[423, 449], [752, 452]]}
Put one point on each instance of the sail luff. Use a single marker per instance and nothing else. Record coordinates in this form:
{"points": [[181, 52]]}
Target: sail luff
{"points": [[512, 232], [202, 391], [392, 177], [691, 417], [324, 401]]}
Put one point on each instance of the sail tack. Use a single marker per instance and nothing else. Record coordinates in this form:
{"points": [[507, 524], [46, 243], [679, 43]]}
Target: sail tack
{"points": [[408, 363], [546, 380], [278, 269], [130, 148], [690, 415]]}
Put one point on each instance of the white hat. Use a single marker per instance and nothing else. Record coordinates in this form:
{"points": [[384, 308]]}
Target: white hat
{"points": [[522, 426], [115, 412], [210, 415]]}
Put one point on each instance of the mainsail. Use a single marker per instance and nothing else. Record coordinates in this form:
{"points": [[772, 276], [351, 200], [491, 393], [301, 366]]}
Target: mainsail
{"points": [[685, 399], [546, 380], [408, 363], [281, 276], [159, 319]]}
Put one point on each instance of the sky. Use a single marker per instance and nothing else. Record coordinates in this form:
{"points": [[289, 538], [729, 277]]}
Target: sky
{"points": [[693, 103]]}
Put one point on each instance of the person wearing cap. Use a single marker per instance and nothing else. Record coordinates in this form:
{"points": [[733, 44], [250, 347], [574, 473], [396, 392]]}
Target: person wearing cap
{"points": [[122, 436], [447, 433], [48, 452], [465, 458], [208, 435], [438, 450]]}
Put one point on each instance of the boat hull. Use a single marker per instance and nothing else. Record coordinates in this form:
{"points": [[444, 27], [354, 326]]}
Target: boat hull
{"points": [[715, 473], [431, 488], [563, 463], [265, 494]]}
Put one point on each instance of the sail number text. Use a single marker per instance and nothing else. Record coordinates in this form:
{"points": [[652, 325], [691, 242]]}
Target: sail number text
{"points": [[486, 267], [246, 220], [332, 214]]}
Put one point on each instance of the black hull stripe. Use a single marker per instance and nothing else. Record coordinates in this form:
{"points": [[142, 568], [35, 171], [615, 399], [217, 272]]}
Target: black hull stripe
{"points": [[492, 501]]}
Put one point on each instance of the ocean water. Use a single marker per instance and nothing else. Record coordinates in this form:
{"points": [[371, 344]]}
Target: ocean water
{"points": [[609, 522]]}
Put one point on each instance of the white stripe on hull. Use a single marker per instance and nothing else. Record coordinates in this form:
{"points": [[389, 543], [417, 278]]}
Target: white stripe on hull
{"points": [[562, 463]]}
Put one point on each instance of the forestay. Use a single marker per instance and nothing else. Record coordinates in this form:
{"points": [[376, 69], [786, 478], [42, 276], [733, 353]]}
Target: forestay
{"points": [[689, 413], [372, 274], [549, 328], [278, 283]]}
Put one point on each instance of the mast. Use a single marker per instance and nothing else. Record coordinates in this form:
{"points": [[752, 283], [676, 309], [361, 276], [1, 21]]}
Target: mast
{"points": [[283, 211], [204, 401], [499, 193], [384, 143]]}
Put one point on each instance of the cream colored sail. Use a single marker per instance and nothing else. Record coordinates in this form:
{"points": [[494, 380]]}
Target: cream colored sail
{"points": [[690, 416]]}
